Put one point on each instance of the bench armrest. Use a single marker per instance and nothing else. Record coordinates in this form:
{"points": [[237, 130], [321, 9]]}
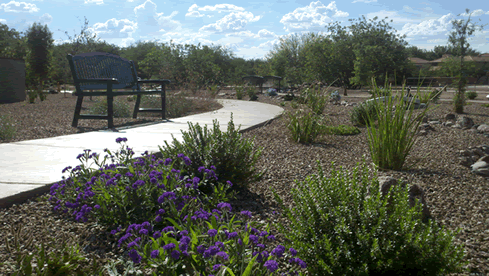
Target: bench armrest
{"points": [[154, 81], [113, 80]]}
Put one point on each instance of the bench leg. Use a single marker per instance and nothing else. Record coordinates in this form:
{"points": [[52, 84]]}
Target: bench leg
{"points": [[163, 103], [77, 111], [136, 107], [110, 111]]}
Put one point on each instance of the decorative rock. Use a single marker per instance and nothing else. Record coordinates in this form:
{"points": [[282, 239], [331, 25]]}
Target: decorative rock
{"points": [[465, 153], [415, 192], [478, 152], [485, 149], [483, 128], [466, 162], [434, 122], [481, 167], [221, 94], [450, 117], [456, 126], [448, 124], [465, 122]]}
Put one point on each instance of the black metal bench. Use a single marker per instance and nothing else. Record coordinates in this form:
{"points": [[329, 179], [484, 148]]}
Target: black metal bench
{"points": [[108, 72]]}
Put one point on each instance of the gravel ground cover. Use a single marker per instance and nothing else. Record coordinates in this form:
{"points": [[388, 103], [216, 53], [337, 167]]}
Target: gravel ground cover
{"points": [[456, 197]]}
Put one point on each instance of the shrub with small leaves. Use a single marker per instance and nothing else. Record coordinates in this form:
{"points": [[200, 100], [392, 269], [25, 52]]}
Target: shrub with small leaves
{"points": [[341, 225], [233, 156], [471, 95]]}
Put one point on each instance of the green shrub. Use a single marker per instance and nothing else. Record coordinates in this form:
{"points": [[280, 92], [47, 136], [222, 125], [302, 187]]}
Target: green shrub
{"points": [[433, 96], [341, 130], [315, 100], [7, 128], [391, 140], [239, 91], [363, 114], [121, 108], [471, 95], [485, 105], [176, 105], [341, 225], [282, 104], [304, 127], [234, 158]]}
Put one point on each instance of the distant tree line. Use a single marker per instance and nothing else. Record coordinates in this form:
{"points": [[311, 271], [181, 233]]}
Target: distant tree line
{"points": [[351, 56]]}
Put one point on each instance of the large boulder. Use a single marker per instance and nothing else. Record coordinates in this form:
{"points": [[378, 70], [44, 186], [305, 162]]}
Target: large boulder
{"points": [[386, 183], [481, 167]]}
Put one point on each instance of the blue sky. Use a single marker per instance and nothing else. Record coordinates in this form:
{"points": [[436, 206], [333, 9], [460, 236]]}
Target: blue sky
{"points": [[248, 28]]}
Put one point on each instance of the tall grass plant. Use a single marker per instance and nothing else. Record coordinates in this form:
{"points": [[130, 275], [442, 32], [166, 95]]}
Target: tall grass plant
{"points": [[392, 138]]}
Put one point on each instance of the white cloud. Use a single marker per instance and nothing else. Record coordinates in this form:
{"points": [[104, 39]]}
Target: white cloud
{"points": [[114, 28], [46, 18], [428, 27], [262, 34], [437, 41], [194, 14], [365, 1], [13, 6], [3, 21], [97, 2], [219, 8], [392, 15], [478, 12], [234, 21], [312, 17], [150, 21]]}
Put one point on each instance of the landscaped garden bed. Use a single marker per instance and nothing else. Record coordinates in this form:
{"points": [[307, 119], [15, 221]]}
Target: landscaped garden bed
{"points": [[457, 198]]}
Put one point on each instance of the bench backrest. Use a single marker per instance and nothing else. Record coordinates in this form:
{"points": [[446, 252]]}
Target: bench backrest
{"points": [[98, 65]]}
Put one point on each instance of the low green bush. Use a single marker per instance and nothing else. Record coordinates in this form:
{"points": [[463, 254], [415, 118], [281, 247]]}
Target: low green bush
{"points": [[239, 91], [7, 128], [235, 158], [363, 114], [485, 105], [343, 226], [176, 105], [121, 108], [426, 97], [471, 95], [304, 127]]}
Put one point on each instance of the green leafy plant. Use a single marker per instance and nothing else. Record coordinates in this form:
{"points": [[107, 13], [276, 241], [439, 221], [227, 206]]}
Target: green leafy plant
{"points": [[429, 97], [391, 140], [304, 127], [282, 104], [471, 95], [213, 90], [7, 128], [239, 91], [485, 105], [251, 91], [234, 158], [344, 226], [363, 114], [315, 99], [121, 108]]}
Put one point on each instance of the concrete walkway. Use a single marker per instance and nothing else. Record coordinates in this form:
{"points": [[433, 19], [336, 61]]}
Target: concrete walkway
{"points": [[28, 168]]}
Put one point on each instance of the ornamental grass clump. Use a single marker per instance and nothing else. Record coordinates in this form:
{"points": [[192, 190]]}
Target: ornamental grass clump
{"points": [[392, 138], [342, 225], [363, 114], [315, 99], [304, 127], [234, 158], [132, 190]]}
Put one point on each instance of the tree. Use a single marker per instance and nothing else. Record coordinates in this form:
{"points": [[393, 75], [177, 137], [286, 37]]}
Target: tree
{"points": [[40, 43], [379, 53], [12, 44], [458, 38]]}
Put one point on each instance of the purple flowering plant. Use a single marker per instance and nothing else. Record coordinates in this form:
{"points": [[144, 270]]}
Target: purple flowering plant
{"points": [[132, 189], [211, 243]]}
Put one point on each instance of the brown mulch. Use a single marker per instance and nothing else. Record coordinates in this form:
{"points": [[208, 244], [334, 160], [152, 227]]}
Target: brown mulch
{"points": [[456, 197]]}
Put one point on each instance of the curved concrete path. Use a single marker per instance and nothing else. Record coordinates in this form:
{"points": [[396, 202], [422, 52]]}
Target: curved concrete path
{"points": [[28, 168]]}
